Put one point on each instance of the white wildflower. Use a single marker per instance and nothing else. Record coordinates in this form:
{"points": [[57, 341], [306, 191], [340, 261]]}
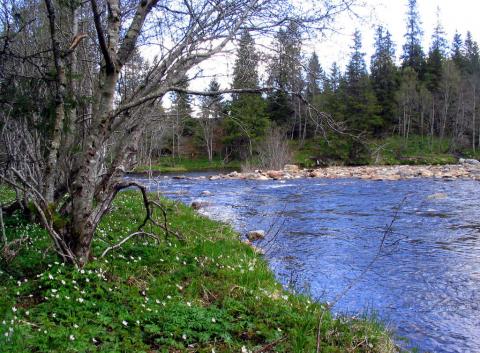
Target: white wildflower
{"points": [[124, 323], [72, 338]]}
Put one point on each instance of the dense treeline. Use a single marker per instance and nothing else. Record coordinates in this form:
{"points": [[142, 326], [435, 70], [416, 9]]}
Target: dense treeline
{"points": [[429, 93]]}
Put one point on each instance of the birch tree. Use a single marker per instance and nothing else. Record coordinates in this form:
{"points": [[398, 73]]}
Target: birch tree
{"points": [[73, 54]]}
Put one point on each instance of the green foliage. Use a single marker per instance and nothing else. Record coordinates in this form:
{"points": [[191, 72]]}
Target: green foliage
{"points": [[247, 123], [415, 150], [335, 150], [209, 293], [361, 109]]}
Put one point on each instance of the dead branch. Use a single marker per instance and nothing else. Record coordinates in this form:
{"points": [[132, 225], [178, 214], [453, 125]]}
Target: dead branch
{"points": [[127, 238]]}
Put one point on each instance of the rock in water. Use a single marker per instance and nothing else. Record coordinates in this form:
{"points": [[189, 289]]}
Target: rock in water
{"points": [[437, 196], [275, 174], [469, 161], [206, 193], [255, 235], [196, 205]]}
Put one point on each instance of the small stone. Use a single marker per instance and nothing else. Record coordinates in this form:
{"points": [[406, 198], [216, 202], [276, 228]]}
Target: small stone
{"points": [[196, 205], [437, 196], [206, 193], [256, 235]]}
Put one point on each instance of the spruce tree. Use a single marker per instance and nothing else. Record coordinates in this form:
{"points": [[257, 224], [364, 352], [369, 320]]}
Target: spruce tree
{"points": [[286, 76], [314, 77], [413, 55], [248, 119], [436, 56], [362, 110], [457, 51], [384, 76]]}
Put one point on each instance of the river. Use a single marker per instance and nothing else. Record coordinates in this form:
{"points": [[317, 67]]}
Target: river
{"points": [[323, 233]]}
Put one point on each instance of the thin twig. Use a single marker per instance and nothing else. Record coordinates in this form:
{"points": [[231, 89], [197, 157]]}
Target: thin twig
{"points": [[127, 238]]}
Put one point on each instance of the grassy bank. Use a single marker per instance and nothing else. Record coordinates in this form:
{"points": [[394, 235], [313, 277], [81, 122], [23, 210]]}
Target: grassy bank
{"points": [[183, 165], [417, 150], [211, 293]]}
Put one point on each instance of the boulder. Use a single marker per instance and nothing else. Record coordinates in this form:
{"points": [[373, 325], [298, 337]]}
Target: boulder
{"points": [[291, 168], [196, 205], [469, 161], [206, 193], [275, 174], [437, 196], [426, 173], [255, 235]]}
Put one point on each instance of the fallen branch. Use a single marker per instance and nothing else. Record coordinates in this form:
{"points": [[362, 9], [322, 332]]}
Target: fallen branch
{"points": [[124, 240], [149, 204]]}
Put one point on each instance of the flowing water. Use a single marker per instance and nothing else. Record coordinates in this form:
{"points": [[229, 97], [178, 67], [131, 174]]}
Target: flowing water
{"points": [[322, 235]]}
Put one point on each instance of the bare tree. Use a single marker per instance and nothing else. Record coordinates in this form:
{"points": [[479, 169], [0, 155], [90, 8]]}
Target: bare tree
{"points": [[68, 149], [274, 151]]}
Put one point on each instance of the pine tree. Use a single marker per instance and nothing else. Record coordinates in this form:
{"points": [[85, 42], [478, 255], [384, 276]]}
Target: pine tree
{"points": [[181, 115], [245, 72], [413, 55], [472, 55], [248, 119], [457, 51], [362, 110], [384, 76], [333, 93], [436, 56], [314, 77], [286, 76], [212, 110]]}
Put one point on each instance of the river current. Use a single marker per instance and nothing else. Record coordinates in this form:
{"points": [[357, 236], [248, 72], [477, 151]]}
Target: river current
{"points": [[408, 250]]}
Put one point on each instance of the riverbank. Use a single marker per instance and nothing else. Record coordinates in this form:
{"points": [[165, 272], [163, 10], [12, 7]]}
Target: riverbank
{"points": [[210, 293], [467, 169], [184, 165]]}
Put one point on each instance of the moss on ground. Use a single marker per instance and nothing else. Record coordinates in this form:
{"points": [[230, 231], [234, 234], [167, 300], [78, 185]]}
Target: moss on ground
{"points": [[211, 293]]}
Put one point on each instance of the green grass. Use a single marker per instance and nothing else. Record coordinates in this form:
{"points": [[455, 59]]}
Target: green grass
{"points": [[394, 150], [416, 150], [211, 293], [182, 165]]}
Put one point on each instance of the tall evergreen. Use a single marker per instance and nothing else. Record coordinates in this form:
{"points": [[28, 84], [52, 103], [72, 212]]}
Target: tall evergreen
{"points": [[248, 119], [384, 77], [362, 110], [472, 56], [413, 55], [436, 56], [457, 51], [286, 76], [245, 71], [314, 77]]}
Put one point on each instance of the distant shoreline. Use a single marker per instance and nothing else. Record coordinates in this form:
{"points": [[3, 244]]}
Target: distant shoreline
{"points": [[468, 169]]}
